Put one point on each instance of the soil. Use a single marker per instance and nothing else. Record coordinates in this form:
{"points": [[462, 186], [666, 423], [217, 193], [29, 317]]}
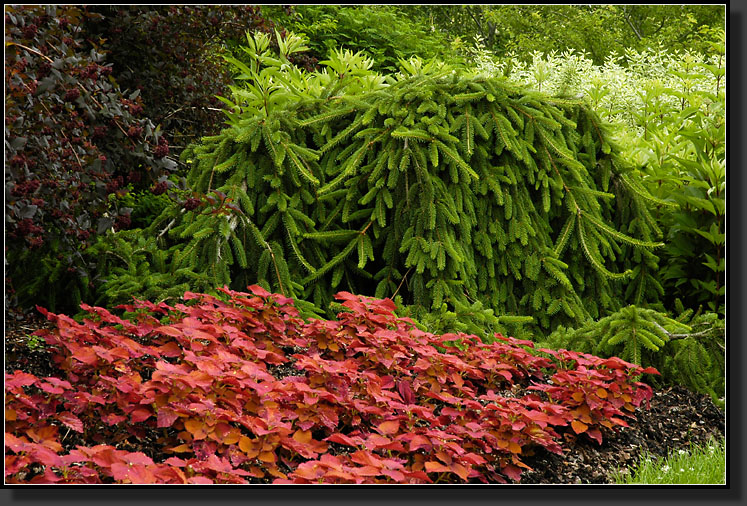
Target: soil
{"points": [[676, 419]]}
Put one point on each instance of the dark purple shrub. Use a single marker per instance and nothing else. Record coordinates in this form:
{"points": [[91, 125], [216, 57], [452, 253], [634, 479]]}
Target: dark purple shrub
{"points": [[72, 138], [177, 49]]}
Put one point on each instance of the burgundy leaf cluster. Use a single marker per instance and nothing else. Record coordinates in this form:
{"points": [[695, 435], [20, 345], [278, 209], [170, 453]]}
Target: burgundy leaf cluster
{"points": [[240, 389]]}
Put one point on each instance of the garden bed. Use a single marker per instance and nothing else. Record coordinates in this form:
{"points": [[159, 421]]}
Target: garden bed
{"points": [[674, 419]]}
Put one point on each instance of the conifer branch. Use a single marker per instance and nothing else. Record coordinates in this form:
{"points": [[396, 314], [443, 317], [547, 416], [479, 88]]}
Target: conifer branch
{"points": [[596, 263], [400, 283], [695, 335]]}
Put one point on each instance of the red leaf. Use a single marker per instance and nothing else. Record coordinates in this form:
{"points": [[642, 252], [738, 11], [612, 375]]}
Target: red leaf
{"points": [[71, 421], [170, 349], [436, 467], [405, 390], [505, 374], [168, 475], [103, 353], [595, 434], [19, 379], [195, 426], [46, 435], [169, 331], [113, 418], [259, 291], [512, 472], [15, 443], [459, 470], [366, 458], [418, 442], [444, 457], [418, 475], [134, 458], [616, 363], [389, 427], [132, 473], [282, 300], [50, 389], [375, 441], [651, 370], [387, 381], [397, 476], [309, 470], [86, 355], [219, 465], [105, 456], [200, 480], [175, 461], [345, 440], [44, 455], [473, 459], [343, 295], [59, 382], [166, 417], [578, 426], [140, 414]]}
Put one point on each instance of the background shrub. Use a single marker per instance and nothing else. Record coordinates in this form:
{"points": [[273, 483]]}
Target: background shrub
{"points": [[81, 115], [379, 31], [309, 196], [591, 30], [73, 139], [172, 54]]}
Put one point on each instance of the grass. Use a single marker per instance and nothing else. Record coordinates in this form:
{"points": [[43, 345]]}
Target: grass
{"points": [[702, 465]]}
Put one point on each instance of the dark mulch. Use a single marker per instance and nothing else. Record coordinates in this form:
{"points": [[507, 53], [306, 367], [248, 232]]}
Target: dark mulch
{"points": [[676, 419]]}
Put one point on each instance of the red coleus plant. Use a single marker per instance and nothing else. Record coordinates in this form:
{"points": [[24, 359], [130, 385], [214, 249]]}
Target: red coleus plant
{"points": [[245, 391]]}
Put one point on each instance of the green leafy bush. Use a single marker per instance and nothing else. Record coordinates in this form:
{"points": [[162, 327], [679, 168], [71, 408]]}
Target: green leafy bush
{"points": [[615, 88], [407, 184], [379, 31], [683, 153]]}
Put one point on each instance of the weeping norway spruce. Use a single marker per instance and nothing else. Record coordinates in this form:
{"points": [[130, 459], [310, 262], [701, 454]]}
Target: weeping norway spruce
{"points": [[447, 190]]}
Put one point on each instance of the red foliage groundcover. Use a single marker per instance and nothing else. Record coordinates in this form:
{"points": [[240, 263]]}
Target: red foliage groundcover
{"points": [[245, 391]]}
